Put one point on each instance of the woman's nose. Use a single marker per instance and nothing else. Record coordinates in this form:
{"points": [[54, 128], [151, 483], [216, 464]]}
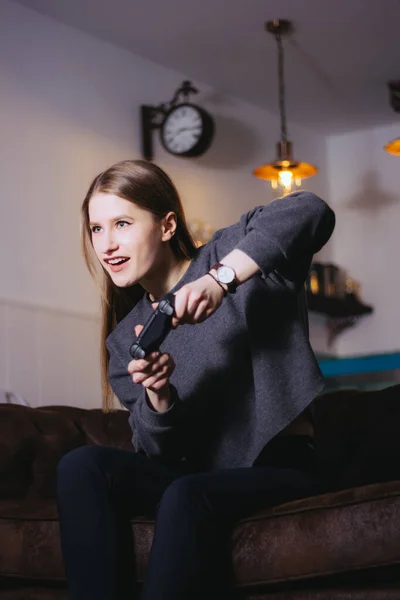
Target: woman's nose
{"points": [[110, 244]]}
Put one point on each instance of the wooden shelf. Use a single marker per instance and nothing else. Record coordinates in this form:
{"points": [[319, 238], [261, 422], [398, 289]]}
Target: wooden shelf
{"points": [[339, 308]]}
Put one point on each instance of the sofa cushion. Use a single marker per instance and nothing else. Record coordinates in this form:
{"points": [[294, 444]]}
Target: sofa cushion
{"points": [[336, 533], [30, 541], [30, 545], [342, 532]]}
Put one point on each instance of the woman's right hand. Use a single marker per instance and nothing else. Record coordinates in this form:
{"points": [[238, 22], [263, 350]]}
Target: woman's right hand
{"points": [[153, 373]]}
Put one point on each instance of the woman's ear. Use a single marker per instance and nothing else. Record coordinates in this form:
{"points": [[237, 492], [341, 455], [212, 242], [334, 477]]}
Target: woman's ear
{"points": [[168, 225]]}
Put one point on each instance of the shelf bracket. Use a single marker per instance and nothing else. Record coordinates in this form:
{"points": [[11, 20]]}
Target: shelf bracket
{"points": [[336, 325]]}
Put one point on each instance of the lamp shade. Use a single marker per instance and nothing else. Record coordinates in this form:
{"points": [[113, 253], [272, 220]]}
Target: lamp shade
{"points": [[393, 147], [285, 171]]}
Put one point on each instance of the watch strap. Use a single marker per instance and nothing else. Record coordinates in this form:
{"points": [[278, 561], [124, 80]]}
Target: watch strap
{"points": [[219, 283]]}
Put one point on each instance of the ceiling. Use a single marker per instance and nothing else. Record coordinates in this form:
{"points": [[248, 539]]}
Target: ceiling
{"points": [[338, 60]]}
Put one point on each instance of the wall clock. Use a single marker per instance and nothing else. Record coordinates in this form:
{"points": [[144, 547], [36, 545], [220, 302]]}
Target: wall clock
{"points": [[186, 129]]}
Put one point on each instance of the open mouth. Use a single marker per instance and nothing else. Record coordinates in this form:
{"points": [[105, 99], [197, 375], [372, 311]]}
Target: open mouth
{"points": [[116, 261], [116, 264]]}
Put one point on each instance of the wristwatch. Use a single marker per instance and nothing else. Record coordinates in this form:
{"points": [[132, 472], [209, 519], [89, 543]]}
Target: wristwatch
{"points": [[225, 276]]}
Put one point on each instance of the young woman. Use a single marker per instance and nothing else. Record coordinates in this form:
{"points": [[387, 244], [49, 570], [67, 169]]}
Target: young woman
{"points": [[221, 414]]}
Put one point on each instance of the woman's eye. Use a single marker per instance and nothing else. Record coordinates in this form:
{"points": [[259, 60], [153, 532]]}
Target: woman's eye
{"points": [[122, 223], [95, 228]]}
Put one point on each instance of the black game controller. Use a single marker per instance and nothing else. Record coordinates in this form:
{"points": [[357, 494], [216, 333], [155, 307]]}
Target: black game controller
{"points": [[156, 329]]}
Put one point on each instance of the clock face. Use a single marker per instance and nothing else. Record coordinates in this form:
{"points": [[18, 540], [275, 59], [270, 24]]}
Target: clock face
{"points": [[182, 129], [226, 274]]}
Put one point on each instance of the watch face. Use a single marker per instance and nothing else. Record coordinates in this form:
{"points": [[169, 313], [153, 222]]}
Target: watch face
{"points": [[226, 274], [182, 129]]}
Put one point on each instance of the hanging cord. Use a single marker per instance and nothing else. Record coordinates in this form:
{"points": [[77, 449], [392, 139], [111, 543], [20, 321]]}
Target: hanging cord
{"points": [[282, 108]]}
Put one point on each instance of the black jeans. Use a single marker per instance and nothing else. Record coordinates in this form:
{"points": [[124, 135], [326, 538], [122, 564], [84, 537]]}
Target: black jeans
{"points": [[101, 488]]}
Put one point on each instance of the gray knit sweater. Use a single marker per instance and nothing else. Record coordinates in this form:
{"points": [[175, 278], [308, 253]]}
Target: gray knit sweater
{"points": [[246, 372]]}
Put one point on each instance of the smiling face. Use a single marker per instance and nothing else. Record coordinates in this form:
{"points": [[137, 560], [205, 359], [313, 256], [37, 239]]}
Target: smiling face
{"points": [[128, 240]]}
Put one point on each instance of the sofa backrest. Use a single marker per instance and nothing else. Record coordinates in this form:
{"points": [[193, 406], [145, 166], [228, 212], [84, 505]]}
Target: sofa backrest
{"points": [[356, 438], [357, 435], [32, 441]]}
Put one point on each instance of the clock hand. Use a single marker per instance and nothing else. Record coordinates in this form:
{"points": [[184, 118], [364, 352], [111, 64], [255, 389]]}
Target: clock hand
{"points": [[186, 129]]}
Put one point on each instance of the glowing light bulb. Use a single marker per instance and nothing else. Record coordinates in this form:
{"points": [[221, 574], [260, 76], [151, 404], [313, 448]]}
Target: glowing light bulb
{"points": [[285, 179]]}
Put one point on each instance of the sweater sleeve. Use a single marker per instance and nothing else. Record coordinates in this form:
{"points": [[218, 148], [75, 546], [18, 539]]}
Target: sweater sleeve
{"points": [[283, 236], [154, 434]]}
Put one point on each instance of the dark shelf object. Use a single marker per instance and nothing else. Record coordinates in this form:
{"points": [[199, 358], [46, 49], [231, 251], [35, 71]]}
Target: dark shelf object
{"points": [[339, 308]]}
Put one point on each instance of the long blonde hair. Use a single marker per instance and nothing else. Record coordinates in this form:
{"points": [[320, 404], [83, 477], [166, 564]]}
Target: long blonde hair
{"points": [[149, 187]]}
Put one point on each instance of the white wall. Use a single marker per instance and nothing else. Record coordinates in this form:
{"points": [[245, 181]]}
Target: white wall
{"points": [[364, 190], [49, 356], [69, 107]]}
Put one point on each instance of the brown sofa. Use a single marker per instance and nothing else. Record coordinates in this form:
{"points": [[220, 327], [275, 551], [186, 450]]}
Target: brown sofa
{"points": [[342, 545]]}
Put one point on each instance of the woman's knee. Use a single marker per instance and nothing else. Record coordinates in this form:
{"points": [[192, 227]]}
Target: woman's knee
{"points": [[185, 493], [79, 462], [91, 470]]}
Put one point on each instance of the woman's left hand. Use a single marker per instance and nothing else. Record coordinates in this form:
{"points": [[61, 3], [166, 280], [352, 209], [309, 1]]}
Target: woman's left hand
{"points": [[196, 301]]}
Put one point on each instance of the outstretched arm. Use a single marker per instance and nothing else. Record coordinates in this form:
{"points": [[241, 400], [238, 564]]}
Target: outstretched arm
{"points": [[279, 238]]}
